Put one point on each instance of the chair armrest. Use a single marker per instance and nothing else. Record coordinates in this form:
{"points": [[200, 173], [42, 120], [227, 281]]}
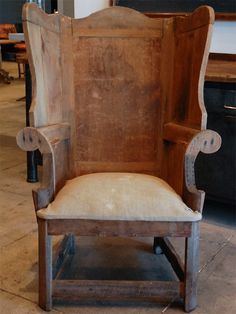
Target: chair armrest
{"points": [[193, 142], [53, 143], [176, 133]]}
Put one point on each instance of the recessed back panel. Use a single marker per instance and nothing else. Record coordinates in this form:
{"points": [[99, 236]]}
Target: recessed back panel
{"points": [[117, 98]]}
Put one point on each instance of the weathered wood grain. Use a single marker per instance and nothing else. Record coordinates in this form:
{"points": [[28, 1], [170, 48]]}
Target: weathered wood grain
{"points": [[191, 50], [191, 269], [161, 291], [45, 266], [112, 228]]}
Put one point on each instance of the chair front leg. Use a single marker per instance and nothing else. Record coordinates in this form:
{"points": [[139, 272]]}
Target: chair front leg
{"points": [[45, 266], [191, 268]]}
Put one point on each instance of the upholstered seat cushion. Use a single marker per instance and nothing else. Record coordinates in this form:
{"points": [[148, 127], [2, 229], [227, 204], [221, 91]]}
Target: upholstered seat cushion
{"points": [[118, 196]]}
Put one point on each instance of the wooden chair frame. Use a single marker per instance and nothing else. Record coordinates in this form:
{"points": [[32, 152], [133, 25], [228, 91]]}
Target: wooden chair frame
{"points": [[183, 137], [51, 288]]}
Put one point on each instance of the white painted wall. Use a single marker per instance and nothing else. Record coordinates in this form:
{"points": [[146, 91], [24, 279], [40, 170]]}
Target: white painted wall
{"points": [[224, 37], [84, 8], [81, 8]]}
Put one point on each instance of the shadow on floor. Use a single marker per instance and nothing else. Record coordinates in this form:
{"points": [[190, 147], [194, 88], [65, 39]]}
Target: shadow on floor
{"points": [[221, 214]]}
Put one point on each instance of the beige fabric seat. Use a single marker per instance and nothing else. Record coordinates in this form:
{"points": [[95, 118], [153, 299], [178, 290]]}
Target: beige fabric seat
{"points": [[118, 196]]}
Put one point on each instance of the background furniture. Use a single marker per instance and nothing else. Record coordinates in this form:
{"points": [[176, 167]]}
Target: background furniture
{"points": [[15, 45], [132, 105], [34, 158], [180, 6], [21, 56], [220, 101], [5, 29], [21, 60], [4, 75], [11, 11], [12, 47]]}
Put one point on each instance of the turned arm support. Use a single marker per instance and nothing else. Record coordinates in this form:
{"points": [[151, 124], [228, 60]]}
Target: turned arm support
{"points": [[194, 142], [53, 143]]}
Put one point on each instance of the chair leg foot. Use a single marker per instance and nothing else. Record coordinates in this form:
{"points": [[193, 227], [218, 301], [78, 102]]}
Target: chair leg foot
{"points": [[45, 307], [191, 269], [156, 246], [45, 266]]}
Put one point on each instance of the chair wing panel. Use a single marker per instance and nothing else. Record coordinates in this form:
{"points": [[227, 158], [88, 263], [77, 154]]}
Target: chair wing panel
{"points": [[188, 56], [192, 37], [45, 46]]}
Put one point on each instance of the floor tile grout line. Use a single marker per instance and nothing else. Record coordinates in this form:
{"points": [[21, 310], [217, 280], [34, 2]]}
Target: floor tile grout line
{"points": [[26, 299], [13, 166], [168, 306], [16, 240], [17, 295], [216, 253], [15, 193]]}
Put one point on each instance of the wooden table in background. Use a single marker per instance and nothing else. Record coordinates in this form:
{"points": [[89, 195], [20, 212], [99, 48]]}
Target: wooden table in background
{"points": [[221, 69], [216, 173], [4, 75]]}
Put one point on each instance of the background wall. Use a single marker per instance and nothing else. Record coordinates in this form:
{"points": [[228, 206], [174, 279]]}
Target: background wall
{"points": [[84, 8], [223, 35], [178, 5], [81, 8], [10, 11], [223, 39]]}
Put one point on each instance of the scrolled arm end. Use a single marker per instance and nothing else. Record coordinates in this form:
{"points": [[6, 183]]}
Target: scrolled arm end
{"points": [[52, 141], [206, 141], [187, 143], [44, 138], [30, 139]]}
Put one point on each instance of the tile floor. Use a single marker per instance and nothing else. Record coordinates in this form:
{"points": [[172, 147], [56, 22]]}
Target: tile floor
{"points": [[18, 239]]}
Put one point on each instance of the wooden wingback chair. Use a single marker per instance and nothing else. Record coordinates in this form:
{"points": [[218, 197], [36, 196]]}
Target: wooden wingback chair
{"points": [[119, 118]]}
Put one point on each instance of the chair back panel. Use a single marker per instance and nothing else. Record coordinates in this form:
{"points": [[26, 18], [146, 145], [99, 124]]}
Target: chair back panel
{"points": [[117, 92]]}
